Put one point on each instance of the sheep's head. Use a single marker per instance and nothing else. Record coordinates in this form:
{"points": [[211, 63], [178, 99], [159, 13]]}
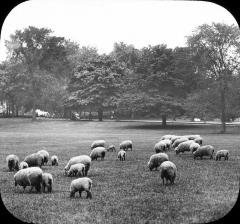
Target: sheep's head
{"points": [[177, 150]]}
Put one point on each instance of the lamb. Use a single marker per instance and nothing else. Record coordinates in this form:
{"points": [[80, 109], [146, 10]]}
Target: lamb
{"points": [[34, 159], [45, 155], [77, 169], [178, 141], [125, 145], [47, 181], [168, 171], [31, 176], [85, 159], [12, 162], [206, 150], [184, 146], [81, 184], [194, 146], [98, 152], [111, 148], [122, 155], [23, 165], [98, 143], [222, 153], [160, 146], [54, 160], [156, 160]]}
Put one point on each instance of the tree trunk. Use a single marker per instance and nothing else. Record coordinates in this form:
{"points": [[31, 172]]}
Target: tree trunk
{"points": [[16, 110], [164, 120], [33, 112], [100, 114], [223, 110], [90, 116], [132, 114]]}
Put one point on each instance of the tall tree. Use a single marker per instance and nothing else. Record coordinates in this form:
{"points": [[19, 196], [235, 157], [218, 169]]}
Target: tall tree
{"points": [[216, 48]]}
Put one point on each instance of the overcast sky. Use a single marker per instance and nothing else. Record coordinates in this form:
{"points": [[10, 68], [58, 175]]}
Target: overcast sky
{"points": [[100, 23]]}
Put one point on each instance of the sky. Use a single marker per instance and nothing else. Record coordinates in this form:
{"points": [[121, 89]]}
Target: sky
{"points": [[101, 23]]}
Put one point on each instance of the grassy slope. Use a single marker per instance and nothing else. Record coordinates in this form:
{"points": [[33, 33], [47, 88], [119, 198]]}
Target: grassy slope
{"points": [[123, 192]]}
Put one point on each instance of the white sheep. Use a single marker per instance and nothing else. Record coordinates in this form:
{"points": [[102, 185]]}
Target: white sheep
{"points": [[168, 171], [98, 143], [156, 160], [111, 148], [206, 150], [54, 160], [85, 159], [81, 184], [160, 146], [178, 141], [12, 162], [47, 181], [122, 155], [222, 153], [191, 137], [23, 165], [45, 155], [31, 176], [184, 147], [174, 138], [125, 145], [194, 146], [167, 137], [198, 140], [98, 152], [77, 169], [34, 159]]}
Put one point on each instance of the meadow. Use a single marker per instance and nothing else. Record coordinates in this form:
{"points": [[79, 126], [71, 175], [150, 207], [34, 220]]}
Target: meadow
{"points": [[123, 192]]}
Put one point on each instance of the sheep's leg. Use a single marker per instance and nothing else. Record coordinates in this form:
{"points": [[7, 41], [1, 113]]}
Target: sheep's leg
{"points": [[80, 193], [89, 194], [72, 194]]}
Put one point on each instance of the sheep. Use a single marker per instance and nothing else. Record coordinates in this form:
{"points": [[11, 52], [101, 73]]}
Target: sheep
{"points": [[85, 159], [191, 137], [168, 171], [45, 155], [198, 140], [98, 152], [167, 143], [98, 143], [81, 184], [178, 141], [206, 150], [122, 155], [222, 153], [167, 137], [47, 181], [34, 159], [77, 169], [111, 148], [184, 146], [125, 145], [23, 165], [194, 146], [174, 138], [156, 160], [54, 160], [12, 162], [31, 176], [160, 146]]}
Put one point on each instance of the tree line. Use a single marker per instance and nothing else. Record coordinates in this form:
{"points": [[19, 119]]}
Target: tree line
{"points": [[57, 75]]}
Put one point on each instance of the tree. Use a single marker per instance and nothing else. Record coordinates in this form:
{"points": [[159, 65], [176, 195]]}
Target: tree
{"points": [[216, 50], [43, 58], [96, 84]]}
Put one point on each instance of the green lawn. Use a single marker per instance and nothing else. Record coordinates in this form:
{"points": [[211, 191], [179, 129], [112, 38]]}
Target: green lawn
{"points": [[123, 192]]}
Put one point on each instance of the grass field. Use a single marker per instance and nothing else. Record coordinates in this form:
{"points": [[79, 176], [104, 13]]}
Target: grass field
{"points": [[123, 192]]}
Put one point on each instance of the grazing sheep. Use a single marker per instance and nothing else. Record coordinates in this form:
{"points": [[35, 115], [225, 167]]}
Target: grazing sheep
{"points": [[12, 162], [160, 146], [191, 137], [174, 138], [98, 152], [77, 169], [98, 143], [34, 159], [86, 160], [167, 143], [111, 148], [206, 150], [81, 184], [47, 181], [31, 176], [54, 160], [167, 137], [23, 165], [122, 155], [194, 146], [184, 146], [222, 153], [198, 140], [125, 145], [168, 171], [178, 141], [156, 160], [45, 155]]}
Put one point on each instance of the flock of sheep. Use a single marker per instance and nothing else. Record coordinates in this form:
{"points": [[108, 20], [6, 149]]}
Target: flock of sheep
{"points": [[29, 172]]}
